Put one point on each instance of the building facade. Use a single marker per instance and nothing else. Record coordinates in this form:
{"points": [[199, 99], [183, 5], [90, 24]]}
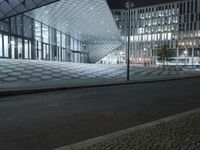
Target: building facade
{"points": [[175, 25], [22, 37], [65, 30]]}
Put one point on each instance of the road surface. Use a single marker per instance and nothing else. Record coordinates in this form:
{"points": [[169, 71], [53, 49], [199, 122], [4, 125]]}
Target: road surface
{"points": [[49, 120]]}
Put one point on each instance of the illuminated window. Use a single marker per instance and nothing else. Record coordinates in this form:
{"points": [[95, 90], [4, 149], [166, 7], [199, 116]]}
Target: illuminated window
{"points": [[45, 33], [6, 46], [1, 46]]}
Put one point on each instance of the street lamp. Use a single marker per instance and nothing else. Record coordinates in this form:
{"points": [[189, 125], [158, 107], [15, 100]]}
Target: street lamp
{"points": [[145, 50], [129, 5]]}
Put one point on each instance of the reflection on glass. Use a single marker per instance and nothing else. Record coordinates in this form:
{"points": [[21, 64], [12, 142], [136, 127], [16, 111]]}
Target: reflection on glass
{"points": [[26, 49], [46, 53], [1, 46], [6, 45], [20, 48], [39, 50], [45, 33], [75, 45], [12, 42], [38, 31], [30, 55], [63, 41], [72, 43], [59, 46]]}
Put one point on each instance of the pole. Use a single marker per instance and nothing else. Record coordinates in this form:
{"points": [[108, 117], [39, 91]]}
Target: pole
{"points": [[128, 50]]}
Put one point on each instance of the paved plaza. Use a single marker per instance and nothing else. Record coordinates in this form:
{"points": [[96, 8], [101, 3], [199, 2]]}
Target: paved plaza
{"points": [[15, 71]]}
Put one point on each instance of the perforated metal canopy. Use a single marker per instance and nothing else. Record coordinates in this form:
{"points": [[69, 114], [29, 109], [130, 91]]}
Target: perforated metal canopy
{"points": [[88, 20], [13, 7]]}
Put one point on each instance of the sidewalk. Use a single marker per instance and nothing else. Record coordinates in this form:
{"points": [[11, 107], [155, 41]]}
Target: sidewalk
{"points": [[9, 89], [179, 132], [30, 76]]}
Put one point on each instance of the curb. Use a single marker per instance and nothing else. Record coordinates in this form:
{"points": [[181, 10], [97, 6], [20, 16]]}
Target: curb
{"points": [[92, 85], [85, 144]]}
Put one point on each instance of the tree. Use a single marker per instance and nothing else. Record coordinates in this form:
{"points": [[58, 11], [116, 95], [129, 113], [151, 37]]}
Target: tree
{"points": [[164, 53]]}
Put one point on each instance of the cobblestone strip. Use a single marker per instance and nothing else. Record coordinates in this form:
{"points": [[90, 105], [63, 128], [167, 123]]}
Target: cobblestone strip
{"points": [[179, 132]]}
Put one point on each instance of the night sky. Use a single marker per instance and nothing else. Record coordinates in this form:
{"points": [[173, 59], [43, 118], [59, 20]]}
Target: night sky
{"points": [[138, 3]]}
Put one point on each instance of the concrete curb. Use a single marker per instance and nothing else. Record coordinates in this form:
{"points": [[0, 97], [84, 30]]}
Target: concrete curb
{"points": [[7, 93], [84, 144]]}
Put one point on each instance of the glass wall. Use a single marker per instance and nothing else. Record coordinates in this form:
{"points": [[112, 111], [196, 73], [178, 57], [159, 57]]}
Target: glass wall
{"points": [[22, 37], [4, 46], [1, 46]]}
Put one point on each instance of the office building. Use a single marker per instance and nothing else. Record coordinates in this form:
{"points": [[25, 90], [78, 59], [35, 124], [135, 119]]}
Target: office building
{"points": [[175, 25]]}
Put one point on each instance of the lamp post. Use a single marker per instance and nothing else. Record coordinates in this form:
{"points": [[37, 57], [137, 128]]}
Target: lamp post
{"points": [[145, 50], [129, 5]]}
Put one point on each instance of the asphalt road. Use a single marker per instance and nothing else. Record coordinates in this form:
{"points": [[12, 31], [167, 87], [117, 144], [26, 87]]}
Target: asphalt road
{"points": [[49, 120]]}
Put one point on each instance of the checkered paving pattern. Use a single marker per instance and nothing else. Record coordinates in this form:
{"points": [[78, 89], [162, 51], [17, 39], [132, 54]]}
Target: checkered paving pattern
{"points": [[13, 71]]}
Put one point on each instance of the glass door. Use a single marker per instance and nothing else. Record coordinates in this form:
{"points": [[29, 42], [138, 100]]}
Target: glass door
{"points": [[20, 49], [46, 53]]}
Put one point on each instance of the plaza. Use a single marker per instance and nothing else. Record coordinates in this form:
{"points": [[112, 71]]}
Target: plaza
{"points": [[83, 74], [24, 71]]}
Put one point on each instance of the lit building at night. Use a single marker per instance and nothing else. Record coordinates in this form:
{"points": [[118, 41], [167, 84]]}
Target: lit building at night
{"points": [[82, 31], [175, 25]]}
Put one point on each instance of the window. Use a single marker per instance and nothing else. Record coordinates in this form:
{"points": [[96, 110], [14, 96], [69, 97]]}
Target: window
{"points": [[1, 46], [196, 5], [63, 41], [58, 38], [75, 45], [26, 51], [19, 24], [45, 33], [38, 31], [6, 46], [27, 27], [188, 7], [71, 43]]}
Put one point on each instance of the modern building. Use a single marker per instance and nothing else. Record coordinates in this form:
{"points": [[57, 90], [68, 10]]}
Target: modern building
{"points": [[175, 25], [57, 30], [86, 31]]}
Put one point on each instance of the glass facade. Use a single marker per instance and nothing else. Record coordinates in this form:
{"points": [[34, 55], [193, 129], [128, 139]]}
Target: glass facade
{"points": [[22, 37]]}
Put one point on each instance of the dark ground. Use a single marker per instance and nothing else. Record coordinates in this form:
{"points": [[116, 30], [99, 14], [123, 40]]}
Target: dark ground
{"points": [[49, 120]]}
